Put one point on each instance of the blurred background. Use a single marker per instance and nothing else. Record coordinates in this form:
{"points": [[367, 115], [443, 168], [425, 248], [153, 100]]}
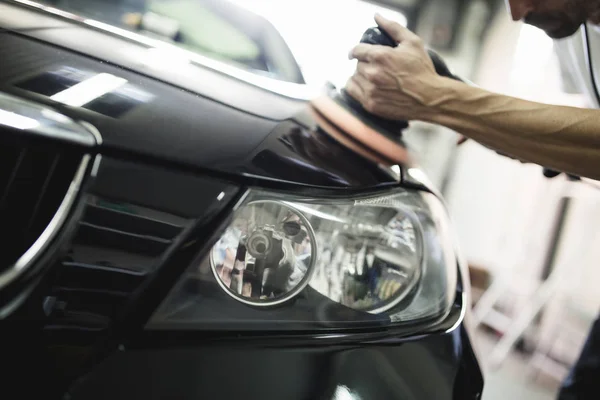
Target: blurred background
{"points": [[527, 238]]}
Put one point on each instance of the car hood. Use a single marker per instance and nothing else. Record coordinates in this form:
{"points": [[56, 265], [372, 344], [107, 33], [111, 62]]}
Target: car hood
{"points": [[173, 106]]}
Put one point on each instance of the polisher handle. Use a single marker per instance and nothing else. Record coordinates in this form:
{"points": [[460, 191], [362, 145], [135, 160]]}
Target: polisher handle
{"points": [[381, 37]]}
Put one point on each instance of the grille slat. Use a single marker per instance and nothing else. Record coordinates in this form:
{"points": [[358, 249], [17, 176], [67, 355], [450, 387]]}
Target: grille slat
{"points": [[115, 248]]}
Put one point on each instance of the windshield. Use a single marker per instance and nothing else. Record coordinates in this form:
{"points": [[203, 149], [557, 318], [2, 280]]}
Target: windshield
{"points": [[215, 28]]}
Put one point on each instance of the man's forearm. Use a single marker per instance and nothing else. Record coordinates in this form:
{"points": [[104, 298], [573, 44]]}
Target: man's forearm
{"points": [[563, 138]]}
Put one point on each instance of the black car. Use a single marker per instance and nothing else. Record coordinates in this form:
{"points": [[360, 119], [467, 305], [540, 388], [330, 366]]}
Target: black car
{"points": [[177, 227]]}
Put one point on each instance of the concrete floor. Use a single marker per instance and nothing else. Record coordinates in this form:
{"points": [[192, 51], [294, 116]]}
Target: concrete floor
{"points": [[514, 379]]}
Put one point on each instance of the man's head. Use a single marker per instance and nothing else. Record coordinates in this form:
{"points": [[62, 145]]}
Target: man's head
{"points": [[558, 18]]}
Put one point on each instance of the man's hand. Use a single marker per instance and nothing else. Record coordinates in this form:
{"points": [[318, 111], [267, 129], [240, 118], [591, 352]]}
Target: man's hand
{"points": [[395, 83]]}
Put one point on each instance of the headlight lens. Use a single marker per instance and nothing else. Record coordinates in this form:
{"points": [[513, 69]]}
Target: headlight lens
{"points": [[267, 254], [287, 262]]}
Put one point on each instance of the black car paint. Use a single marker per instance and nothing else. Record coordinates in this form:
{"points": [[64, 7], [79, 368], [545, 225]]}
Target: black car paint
{"points": [[164, 127], [104, 352], [270, 370]]}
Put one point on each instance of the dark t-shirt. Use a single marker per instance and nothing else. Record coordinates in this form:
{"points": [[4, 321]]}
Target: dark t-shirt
{"points": [[584, 380]]}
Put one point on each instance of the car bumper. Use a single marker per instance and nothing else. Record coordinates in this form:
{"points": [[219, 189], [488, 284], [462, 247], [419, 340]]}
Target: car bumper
{"points": [[433, 366]]}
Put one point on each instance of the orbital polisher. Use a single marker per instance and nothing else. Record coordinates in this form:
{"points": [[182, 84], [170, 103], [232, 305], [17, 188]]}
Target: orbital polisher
{"points": [[375, 138]]}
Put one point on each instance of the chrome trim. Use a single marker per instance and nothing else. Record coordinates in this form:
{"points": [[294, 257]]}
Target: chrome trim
{"points": [[463, 313], [294, 292], [287, 89], [96, 166], [35, 119], [93, 130], [26, 260]]}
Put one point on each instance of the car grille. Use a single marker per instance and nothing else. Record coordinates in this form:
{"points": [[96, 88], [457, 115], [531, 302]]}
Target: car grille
{"points": [[34, 178], [115, 248]]}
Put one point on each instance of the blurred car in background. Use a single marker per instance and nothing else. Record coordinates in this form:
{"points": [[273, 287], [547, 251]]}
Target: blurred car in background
{"points": [[215, 28], [182, 227]]}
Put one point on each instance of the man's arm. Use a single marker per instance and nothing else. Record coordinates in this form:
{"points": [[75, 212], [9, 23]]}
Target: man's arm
{"points": [[401, 83], [563, 138]]}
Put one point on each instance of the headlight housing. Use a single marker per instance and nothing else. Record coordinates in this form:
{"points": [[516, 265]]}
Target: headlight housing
{"points": [[294, 263]]}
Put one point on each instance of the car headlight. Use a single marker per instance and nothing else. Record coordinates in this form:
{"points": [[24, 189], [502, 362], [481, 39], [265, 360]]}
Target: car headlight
{"points": [[287, 263]]}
